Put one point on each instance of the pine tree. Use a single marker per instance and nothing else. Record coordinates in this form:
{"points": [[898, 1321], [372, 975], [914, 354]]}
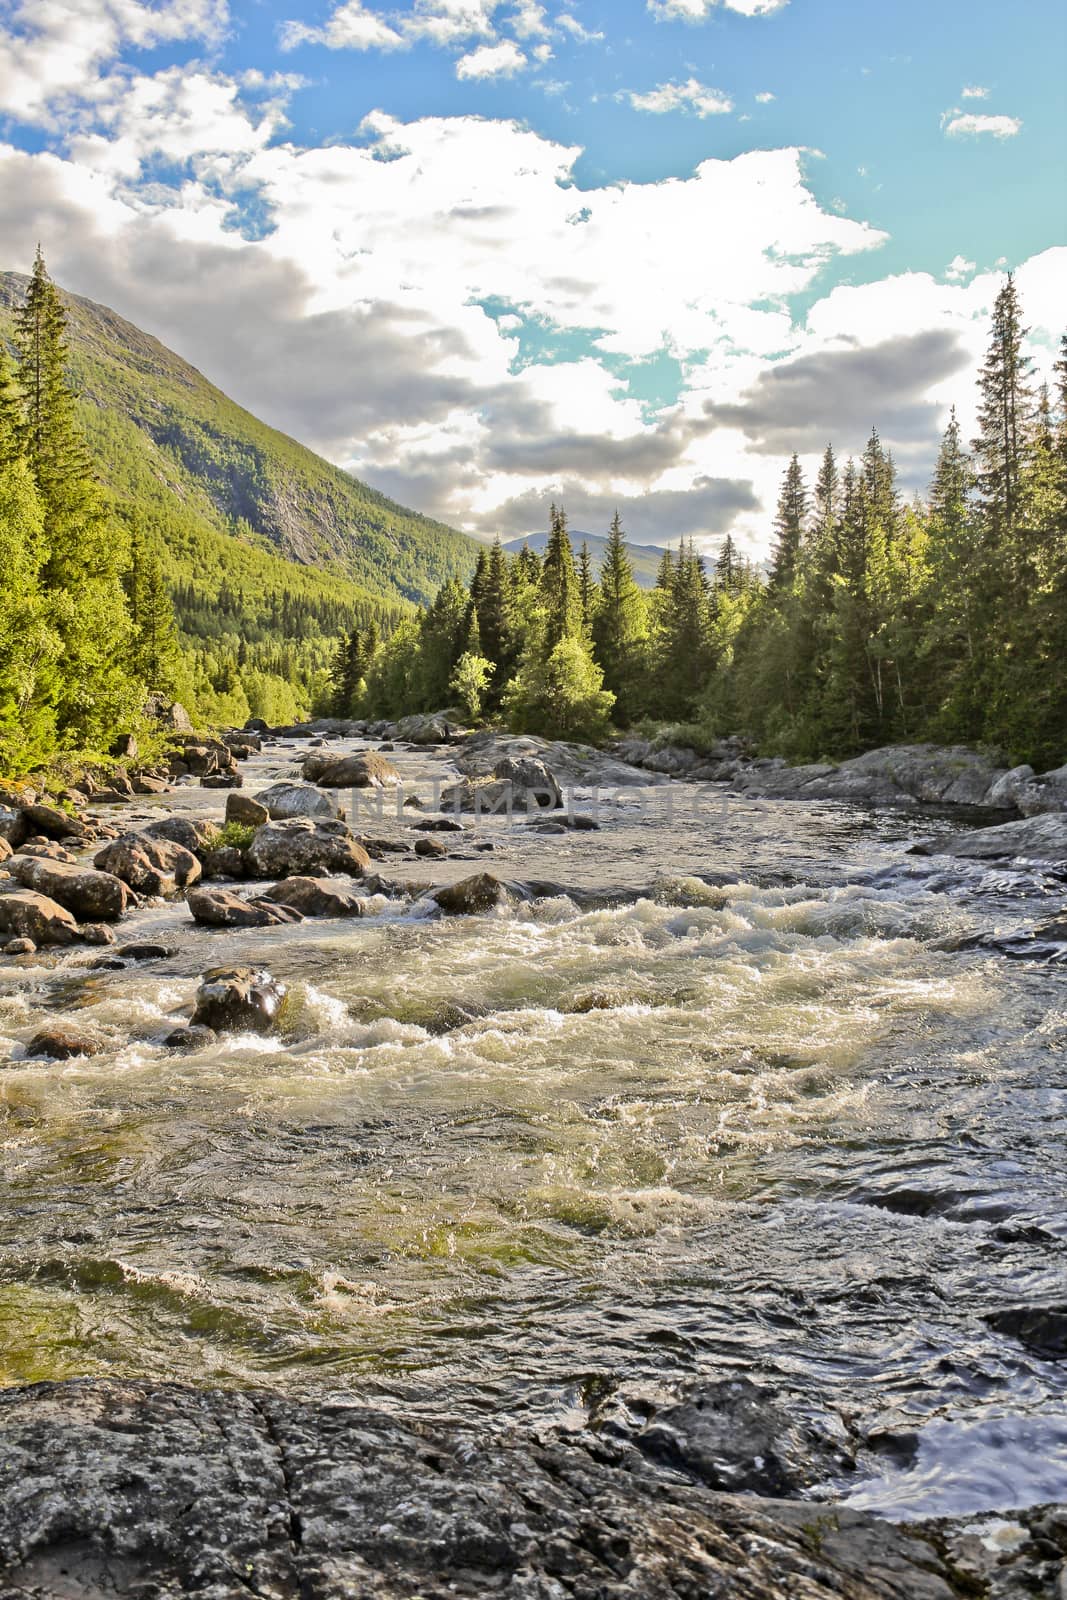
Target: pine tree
{"points": [[559, 586], [789, 524], [620, 627], [1004, 417], [586, 586], [84, 550]]}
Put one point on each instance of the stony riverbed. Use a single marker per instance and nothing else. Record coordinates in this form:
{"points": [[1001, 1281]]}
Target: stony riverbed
{"points": [[724, 1087]]}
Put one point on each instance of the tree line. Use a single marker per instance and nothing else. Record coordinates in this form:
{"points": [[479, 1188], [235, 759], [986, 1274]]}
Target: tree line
{"points": [[877, 620], [86, 623]]}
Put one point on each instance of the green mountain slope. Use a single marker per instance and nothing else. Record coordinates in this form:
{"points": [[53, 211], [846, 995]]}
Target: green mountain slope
{"points": [[270, 552], [153, 419]]}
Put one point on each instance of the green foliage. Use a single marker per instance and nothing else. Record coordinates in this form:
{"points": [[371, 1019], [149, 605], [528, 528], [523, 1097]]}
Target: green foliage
{"points": [[233, 835], [469, 682], [560, 695]]}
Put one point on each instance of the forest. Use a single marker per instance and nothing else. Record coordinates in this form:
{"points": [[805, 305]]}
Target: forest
{"points": [[876, 620]]}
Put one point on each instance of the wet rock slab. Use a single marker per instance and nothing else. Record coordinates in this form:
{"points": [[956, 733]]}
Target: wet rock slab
{"points": [[130, 1489]]}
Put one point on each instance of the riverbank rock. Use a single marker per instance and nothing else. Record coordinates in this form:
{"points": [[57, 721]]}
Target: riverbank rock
{"points": [[471, 896], [189, 1038], [1039, 838], [284, 800], [20, 947], [52, 822], [25, 914], [126, 1488], [92, 896], [571, 765], [364, 770], [430, 727], [305, 847], [249, 811], [150, 865], [220, 908], [315, 897], [238, 1000]]}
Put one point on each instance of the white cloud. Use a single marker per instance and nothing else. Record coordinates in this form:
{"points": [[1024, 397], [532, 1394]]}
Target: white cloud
{"points": [[529, 21], [975, 91], [958, 269], [449, 21], [576, 29], [700, 10], [765, 97], [501, 60], [967, 124], [351, 27], [52, 50], [691, 96]]}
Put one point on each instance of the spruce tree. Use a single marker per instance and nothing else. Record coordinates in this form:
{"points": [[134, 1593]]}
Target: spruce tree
{"points": [[586, 585], [559, 585], [154, 646], [620, 627], [789, 524], [84, 549], [1004, 417]]}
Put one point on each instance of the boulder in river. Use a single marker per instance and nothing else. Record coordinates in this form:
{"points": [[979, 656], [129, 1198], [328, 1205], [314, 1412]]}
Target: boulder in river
{"points": [[150, 865], [306, 847], [189, 1038], [122, 1487], [246, 809], [238, 1000], [364, 770], [478, 893], [192, 833], [315, 897], [91, 895], [227, 862], [220, 908], [13, 825], [430, 848], [27, 915], [1040, 1328], [284, 800], [20, 947], [59, 1043], [1039, 838], [47, 849]]}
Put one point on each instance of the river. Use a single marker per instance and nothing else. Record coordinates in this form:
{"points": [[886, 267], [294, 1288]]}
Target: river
{"points": [[726, 1100]]}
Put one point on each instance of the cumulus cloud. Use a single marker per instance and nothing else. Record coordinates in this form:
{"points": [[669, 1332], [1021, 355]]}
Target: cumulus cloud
{"points": [[959, 124], [700, 10], [765, 97], [692, 96], [530, 20], [51, 50], [958, 269], [576, 29], [975, 91], [501, 60], [351, 27]]}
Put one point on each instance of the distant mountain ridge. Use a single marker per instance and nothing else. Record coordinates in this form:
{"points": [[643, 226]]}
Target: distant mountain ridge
{"points": [[644, 558], [157, 426]]}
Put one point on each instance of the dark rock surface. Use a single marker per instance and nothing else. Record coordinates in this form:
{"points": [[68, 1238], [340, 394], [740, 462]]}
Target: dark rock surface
{"points": [[63, 1044], [481, 892], [131, 1489], [238, 1000], [365, 770], [1039, 838]]}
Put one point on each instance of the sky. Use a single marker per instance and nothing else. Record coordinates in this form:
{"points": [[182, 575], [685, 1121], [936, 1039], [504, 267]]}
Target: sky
{"points": [[488, 254]]}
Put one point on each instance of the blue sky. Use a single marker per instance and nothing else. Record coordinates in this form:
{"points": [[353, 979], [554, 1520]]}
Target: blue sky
{"points": [[491, 252]]}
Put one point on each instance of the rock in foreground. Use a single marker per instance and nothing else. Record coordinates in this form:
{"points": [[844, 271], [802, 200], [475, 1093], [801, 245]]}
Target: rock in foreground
{"points": [[134, 1489], [89, 895], [1039, 838]]}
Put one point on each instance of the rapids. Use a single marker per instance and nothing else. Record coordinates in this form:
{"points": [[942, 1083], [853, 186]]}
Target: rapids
{"points": [[725, 1099]]}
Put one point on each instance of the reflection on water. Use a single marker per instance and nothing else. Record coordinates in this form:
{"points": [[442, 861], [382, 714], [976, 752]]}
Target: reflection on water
{"points": [[765, 1125]]}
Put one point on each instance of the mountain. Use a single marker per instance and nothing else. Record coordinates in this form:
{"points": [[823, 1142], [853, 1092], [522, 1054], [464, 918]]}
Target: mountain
{"points": [[644, 558], [165, 438]]}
